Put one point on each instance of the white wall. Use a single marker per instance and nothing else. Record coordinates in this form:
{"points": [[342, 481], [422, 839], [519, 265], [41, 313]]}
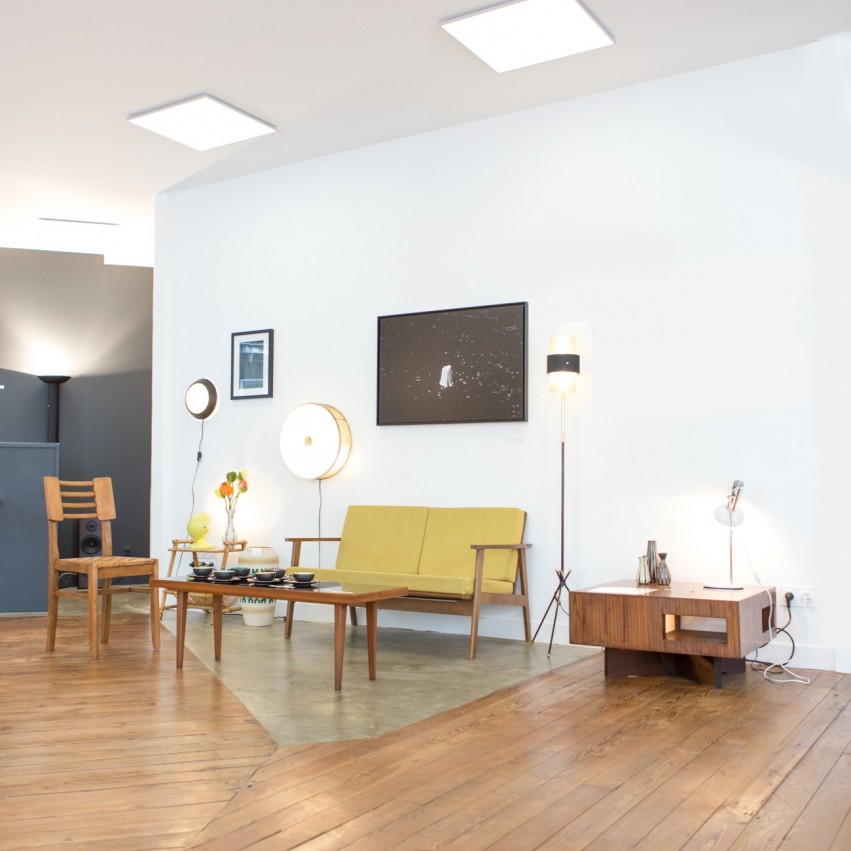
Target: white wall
{"points": [[693, 227]]}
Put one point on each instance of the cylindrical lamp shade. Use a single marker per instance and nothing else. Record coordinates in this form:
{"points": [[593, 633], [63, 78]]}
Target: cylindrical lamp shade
{"points": [[562, 363], [315, 441], [201, 398]]}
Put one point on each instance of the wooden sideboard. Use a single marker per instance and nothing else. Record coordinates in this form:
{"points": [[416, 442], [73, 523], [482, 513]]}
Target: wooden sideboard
{"points": [[682, 628]]}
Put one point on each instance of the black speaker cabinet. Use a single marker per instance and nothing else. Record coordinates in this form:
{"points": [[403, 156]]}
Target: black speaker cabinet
{"points": [[89, 543], [90, 538]]}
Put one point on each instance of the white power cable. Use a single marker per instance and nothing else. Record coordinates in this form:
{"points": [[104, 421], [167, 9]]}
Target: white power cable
{"points": [[772, 671]]}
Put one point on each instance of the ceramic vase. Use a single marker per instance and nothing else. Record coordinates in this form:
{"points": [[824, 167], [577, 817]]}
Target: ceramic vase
{"points": [[651, 559], [257, 611], [642, 576], [663, 574]]}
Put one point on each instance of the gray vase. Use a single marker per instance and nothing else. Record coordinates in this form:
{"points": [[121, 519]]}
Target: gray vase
{"points": [[663, 574], [651, 559]]}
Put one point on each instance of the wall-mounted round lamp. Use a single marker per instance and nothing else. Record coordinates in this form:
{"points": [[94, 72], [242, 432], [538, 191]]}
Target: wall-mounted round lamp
{"points": [[201, 398], [315, 441]]}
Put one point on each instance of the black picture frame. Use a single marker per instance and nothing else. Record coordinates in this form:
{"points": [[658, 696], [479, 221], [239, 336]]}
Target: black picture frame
{"points": [[252, 364], [463, 365]]}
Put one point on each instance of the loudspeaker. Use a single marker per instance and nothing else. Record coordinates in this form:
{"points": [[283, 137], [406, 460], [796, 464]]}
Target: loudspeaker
{"points": [[90, 538]]}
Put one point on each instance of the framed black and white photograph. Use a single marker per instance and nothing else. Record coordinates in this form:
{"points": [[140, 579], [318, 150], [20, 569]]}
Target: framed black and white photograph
{"points": [[251, 364], [466, 365]]}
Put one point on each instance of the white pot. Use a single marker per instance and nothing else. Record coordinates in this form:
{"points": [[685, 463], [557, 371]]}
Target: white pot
{"points": [[258, 612]]}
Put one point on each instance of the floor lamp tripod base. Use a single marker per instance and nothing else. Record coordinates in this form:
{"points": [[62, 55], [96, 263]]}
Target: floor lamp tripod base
{"points": [[555, 600]]}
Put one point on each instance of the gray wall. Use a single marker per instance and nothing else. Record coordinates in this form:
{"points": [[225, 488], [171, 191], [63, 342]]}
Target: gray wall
{"points": [[95, 321], [23, 408]]}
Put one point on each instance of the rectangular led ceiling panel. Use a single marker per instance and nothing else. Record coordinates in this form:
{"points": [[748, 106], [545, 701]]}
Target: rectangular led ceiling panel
{"points": [[528, 32], [202, 123]]}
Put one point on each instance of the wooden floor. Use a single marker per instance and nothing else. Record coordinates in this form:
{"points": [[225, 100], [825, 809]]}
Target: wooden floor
{"points": [[127, 753]]}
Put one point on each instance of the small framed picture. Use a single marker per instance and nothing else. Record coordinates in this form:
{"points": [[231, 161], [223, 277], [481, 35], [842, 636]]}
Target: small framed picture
{"points": [[251, 364]]}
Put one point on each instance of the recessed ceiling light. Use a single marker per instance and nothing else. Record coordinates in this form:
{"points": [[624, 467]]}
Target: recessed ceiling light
{"points": [[202, 123], [527, 32]]}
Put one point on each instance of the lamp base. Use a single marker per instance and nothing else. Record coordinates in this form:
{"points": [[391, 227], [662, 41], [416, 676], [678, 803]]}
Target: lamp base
{"points": [[555, 600], [724, 586]]}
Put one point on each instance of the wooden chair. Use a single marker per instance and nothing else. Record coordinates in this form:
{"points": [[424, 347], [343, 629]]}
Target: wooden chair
{"points": [[84, 501]]}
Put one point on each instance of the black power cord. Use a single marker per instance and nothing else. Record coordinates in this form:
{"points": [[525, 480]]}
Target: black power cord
{"points": [[789, 596]]}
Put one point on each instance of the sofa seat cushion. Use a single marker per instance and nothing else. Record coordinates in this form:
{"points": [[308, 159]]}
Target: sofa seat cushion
{"points": [[382, 538], [451, 531], [456, 586]]}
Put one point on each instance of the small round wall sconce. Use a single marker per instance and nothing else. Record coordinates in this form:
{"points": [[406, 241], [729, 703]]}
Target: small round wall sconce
{"points": [[201, 398], [315, 441]]}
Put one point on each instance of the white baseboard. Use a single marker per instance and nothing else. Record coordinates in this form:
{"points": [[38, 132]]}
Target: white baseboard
{"points": [[493, 626]]}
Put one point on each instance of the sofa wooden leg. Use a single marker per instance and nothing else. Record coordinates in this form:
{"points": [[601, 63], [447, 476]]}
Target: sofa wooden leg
{"points": [[288, 627]]}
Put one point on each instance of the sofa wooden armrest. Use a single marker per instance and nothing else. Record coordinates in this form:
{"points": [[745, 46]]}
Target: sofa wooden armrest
{"points": [[429, 551], [297, 542]]}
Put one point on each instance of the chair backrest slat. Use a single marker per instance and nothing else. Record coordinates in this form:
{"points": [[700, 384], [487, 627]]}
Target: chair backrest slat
{"points": [[71, 500]]}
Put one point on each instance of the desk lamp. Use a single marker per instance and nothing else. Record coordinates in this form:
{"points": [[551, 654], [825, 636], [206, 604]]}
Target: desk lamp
{"points": [[729, 514]]}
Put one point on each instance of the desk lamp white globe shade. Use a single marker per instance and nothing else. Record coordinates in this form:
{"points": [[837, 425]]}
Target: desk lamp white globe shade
{"points": [[201, 399], [315, 441]]}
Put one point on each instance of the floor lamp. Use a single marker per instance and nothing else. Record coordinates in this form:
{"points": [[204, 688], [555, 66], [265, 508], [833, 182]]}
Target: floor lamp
{"points": [[53, 383], [562, 369]]}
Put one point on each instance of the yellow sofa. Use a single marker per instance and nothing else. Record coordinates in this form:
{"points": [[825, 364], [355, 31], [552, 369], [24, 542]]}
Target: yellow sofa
{"points": [[451, 560]]}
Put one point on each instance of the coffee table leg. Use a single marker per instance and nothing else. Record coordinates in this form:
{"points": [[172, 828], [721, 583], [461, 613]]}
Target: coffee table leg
{"points": [[218, 603], [182, 601], [371, 636], [339, 643]]}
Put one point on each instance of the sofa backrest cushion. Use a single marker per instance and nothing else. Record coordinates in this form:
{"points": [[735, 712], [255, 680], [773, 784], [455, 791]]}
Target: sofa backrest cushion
{"points": [[451, 531], [386, 538]]}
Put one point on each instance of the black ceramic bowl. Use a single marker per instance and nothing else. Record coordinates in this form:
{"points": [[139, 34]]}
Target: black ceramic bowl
{"points": [[303, 578], [280, 572], [203, 572], [223, 575], [241, 571], [264, 575]]}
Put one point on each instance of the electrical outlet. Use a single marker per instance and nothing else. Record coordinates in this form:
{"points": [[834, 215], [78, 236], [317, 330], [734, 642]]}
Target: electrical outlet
{"points": [[805, 598]]}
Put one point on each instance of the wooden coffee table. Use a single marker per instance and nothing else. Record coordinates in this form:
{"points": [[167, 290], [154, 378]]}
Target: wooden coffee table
{"points": [[340, 596], [640, 625]]}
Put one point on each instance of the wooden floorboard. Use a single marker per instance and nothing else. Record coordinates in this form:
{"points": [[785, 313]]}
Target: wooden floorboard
{"points": [[126, 753], [120, 753]]}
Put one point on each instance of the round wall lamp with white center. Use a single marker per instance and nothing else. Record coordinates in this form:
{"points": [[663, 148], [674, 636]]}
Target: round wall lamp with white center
{"points": [[315, 441], [201, 398]]}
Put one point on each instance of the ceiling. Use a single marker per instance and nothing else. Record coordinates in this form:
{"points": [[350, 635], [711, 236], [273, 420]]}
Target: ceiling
{"points": [[331, 75]]}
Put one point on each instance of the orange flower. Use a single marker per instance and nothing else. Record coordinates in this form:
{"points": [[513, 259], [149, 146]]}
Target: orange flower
{"points": [[230, 489]]}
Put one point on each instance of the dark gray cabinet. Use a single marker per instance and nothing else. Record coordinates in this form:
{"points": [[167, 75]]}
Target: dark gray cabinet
{"points": [[23, 524]]}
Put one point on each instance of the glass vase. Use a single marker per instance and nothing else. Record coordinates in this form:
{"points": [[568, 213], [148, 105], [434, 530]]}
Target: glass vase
{"points": [[230, 532]]}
